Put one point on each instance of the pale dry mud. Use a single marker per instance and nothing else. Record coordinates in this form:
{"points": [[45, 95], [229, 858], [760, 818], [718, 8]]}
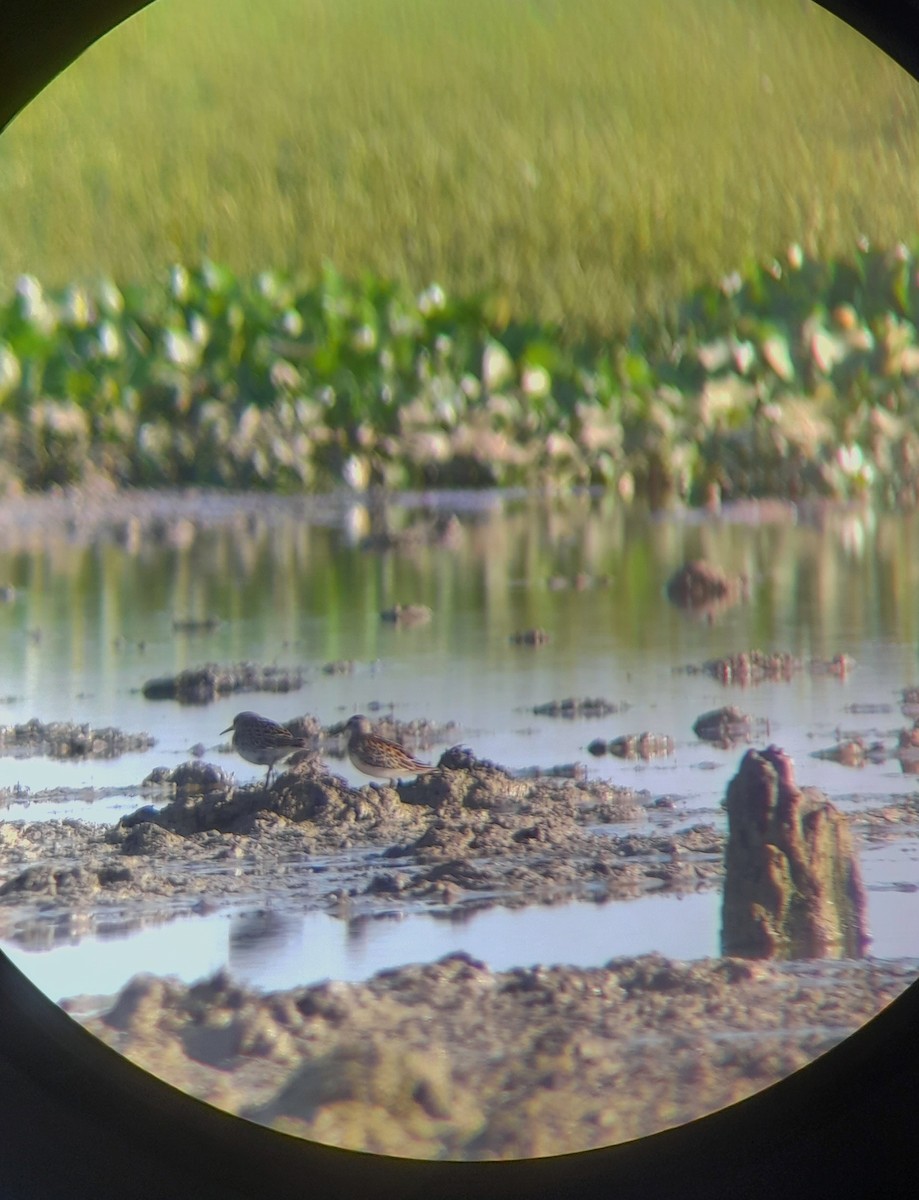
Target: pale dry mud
{"points": [[453, 1060]]}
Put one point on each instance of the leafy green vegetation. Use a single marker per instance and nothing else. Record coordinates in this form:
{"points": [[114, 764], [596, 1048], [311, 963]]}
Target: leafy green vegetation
{"points": [[573, 174], [797, 377]]}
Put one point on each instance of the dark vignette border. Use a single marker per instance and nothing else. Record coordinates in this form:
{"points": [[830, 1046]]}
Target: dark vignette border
{"points": [[77, 1120]]}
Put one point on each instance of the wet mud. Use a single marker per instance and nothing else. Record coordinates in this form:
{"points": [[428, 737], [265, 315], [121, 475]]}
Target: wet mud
{"points": [[747, 668], [201, 685], [64, 739], [448, 1059], [467, 835]]}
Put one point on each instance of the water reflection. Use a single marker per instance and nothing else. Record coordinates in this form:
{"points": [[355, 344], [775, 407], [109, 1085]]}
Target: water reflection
{"points": [[110, 598]]}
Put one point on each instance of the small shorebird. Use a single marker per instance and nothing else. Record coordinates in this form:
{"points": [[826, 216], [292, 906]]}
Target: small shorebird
{"points": [[262, 741], [375, 755]]}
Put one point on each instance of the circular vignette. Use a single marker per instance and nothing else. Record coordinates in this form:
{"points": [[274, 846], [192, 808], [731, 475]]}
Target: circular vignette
{"points": [[78, 1120]]}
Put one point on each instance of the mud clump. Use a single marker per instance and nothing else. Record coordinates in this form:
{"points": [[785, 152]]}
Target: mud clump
{"points": [[63, 739], [195, 624], [201, 685], [792, 884], [747, 668], [634, 745], [339, 666], [854, 752], [724, 727], [702, 587], [194, 778], [530, 637], [467, 834], [571, 708], [407, 615], [454, 1060], [206, 799]]}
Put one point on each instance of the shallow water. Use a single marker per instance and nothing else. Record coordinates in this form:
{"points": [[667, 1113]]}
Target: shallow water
{"points": [[89, 624], [275, 951]]}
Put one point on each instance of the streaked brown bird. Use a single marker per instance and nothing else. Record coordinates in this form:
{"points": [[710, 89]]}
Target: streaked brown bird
{"points": [[377, 756], [262, 741]]}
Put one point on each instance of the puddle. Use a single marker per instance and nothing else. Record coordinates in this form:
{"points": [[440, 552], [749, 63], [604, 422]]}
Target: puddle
{"points": [[102, 807], [274, 950]]}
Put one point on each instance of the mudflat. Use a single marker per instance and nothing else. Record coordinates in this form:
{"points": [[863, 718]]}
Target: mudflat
{"points": [[446, 1059]]}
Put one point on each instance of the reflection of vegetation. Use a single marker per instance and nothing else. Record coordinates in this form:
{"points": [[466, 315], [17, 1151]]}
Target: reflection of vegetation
{"points": [[815, 592], [795, 378], [587, 160]]}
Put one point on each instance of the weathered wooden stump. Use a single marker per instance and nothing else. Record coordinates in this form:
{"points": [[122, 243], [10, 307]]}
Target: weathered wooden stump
{"points": [[793, 885]]}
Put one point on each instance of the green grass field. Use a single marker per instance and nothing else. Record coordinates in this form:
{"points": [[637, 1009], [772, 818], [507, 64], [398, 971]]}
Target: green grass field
{"points": [[588, 161]]}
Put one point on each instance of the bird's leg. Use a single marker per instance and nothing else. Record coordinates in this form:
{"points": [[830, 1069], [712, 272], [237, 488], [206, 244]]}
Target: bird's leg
{"points": [[268, 776]]}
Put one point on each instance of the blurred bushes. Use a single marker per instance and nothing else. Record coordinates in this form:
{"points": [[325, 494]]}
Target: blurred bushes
{"points": [[795, 377]]}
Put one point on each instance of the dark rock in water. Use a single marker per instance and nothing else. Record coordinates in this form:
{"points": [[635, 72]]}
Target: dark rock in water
{"points": [[634, 745], [749, 667], [854, 752], [572, 770], [723, 726], [642, 745], [572, 708], [530, 637], [195, 625], [702, 585], [201, 685], [793, 884], [752, 666], [407, 614], [341, 666]]}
